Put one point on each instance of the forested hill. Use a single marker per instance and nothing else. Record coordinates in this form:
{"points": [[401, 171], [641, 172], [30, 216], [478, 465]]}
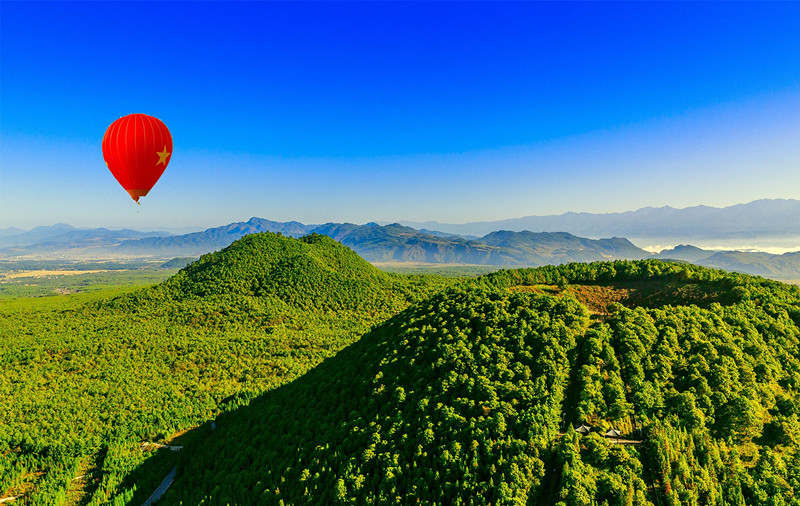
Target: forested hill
{"points": [[424, 409], [294, 270], [471, 396], [88, 382], [272, 274]]}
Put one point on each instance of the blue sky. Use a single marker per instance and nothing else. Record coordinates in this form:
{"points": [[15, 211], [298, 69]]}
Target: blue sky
{"points": [[387, 111]]}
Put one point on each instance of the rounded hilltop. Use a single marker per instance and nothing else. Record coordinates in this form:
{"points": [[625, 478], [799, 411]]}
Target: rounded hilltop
{"points": [[310, 272], [274, 274]]}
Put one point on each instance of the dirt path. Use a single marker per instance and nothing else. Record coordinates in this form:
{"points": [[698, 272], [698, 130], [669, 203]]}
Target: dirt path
{"points": [[174, 448], [633, 442], [42, 273], [162, 489]]}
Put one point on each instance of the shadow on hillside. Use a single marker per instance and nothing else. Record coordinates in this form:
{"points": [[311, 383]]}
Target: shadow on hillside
{"points": [[244, 421], [300, 420]]}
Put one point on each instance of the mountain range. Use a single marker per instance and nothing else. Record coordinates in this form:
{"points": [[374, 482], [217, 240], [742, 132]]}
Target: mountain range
{"points": [[375, 243], [397, 243], [501, 246], [758, 263], [63, 236], [766, 217]]}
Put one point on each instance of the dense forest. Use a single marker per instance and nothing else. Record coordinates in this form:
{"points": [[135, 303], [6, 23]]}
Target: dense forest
{"points": [[462, 391], [87, 379], [305, 375]]}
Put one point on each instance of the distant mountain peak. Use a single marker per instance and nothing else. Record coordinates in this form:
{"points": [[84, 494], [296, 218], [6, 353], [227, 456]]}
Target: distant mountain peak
{"points": [[760, 217]]}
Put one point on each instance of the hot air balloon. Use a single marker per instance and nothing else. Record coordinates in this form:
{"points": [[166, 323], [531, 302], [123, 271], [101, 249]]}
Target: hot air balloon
{"points": [[137, 149]]}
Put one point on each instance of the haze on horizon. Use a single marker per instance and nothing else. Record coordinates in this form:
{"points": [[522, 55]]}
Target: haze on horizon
{"points": [[322, 112]]}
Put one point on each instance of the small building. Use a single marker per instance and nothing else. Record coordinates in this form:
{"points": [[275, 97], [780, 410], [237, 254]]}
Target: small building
{"points": [[612, 433], [583, 429]]}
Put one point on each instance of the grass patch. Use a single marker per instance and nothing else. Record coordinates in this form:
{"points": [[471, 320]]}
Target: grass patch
{"points": [[45, 283]]}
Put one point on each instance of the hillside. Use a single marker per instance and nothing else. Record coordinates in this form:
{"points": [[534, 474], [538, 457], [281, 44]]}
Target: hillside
{"points": [[685, 252], [177, 262], [9, 231], [762, 264], [311, 273], [471, 396], [87, 380], [378, 243], [543, 248], [423, 409], [375, 243]]}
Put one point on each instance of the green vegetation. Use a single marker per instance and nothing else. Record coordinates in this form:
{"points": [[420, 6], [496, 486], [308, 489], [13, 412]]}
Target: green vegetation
{"points": [[710, 368], [462, 391], [178, 262], [7, 266], [89, 378], [41, 278], [329, 381], [63, 282]]}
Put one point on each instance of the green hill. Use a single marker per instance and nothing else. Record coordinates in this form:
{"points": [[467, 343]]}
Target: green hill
{"points": [[457, 397], [471, 396], [266, 277], [178, 262], [87, 380], [313, 272]]}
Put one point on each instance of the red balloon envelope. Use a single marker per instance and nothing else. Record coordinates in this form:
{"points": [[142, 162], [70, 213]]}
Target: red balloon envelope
{"points": [[137, 149]]}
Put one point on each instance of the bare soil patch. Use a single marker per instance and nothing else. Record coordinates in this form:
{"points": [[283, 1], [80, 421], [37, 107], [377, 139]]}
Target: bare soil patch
{"points": [[658, 293], [43, 273]]}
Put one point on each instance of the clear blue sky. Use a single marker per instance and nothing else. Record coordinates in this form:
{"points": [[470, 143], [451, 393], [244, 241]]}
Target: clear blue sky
{"points": [[387, 111]]}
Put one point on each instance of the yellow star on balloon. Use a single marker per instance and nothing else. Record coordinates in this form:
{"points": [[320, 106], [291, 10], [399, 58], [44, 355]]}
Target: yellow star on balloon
{"points": [[162, 157]]}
